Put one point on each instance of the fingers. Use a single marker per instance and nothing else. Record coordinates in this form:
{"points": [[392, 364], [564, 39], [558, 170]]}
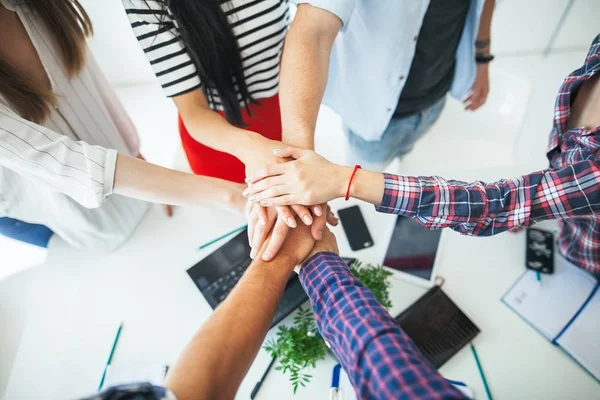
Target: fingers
{"points": [[269, 170], [332, 219], [252, 219], [285, 200], [294, 152], [475, 99], [318, 210], [261, 212], [317, 227], [286, 215], [280, 231], [303, 213], [264, 184], [273, 192], [261, 231]]}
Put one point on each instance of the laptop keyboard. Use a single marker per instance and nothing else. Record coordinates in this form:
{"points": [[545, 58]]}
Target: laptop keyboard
{"points": [[225, 284]]}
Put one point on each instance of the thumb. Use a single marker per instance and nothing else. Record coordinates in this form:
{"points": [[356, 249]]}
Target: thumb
{"points": [[294, 152]]}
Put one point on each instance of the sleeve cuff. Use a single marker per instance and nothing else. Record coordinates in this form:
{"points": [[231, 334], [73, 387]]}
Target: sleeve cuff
{"points": [[318, 268], [342, 9], [401, 195], [110, 167]]}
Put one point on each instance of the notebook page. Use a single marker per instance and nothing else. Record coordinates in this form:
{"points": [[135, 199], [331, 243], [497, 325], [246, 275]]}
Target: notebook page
{"points": [[119, 374], [551, 304], [581, 338]]}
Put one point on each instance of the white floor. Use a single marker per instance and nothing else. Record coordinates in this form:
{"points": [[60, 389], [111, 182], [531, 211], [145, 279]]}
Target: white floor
{"points": [[512, 129]]}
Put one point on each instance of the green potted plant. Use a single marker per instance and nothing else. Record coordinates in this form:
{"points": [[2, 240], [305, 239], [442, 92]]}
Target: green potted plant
{"points": [[300, 346]]}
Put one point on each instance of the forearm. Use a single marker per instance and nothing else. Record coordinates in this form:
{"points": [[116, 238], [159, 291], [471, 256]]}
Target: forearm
{"points": [[215, 362], [146, 181], [304, 69], [484, 209], [211, 129], [482, 42], [363, 334]]}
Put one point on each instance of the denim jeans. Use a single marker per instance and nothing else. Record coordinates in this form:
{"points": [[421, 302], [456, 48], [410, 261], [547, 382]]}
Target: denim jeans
{"points": [[37, 235], [398, 139]]}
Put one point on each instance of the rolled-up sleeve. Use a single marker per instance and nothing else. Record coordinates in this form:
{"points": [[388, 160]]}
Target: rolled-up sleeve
{"points": [[343, 9], [81, 171]]}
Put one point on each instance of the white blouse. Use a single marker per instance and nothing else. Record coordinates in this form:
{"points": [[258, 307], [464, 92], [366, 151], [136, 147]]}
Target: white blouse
{"points": [[54, 173]]}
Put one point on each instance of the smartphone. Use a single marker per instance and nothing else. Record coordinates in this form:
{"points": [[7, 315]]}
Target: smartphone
{"points": [[355, 227], [540, 251]]}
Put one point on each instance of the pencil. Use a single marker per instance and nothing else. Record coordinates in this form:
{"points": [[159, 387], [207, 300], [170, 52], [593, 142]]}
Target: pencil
{"points": [[110, 356], [480, 368], [236, 230]]}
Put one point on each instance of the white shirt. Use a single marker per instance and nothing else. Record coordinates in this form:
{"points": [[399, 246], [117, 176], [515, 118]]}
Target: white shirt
{"points": [[259, 27], [53, 173], [373, 53]]}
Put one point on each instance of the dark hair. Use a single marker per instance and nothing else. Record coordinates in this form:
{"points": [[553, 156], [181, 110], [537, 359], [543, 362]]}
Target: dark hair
{"points": [[213, 47], [69, 25]]}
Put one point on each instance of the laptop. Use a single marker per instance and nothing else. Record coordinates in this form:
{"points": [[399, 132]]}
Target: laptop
{"points": [[216, 275]]}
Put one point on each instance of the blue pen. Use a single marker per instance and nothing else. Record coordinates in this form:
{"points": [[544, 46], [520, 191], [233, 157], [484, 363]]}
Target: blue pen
{"points": [[236, 230], [336, 393], [110, 356], [480, 368]]}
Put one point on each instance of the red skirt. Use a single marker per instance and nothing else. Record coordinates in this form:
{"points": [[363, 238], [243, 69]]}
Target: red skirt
{"points": [[265, 120]]}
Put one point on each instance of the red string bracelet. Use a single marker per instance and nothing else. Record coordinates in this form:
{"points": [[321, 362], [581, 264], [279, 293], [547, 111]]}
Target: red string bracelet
{"points": [[356, 167]]}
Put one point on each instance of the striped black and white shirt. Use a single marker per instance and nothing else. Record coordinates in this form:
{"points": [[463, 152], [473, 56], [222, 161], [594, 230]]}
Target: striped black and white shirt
{"points": [[259, 26]]}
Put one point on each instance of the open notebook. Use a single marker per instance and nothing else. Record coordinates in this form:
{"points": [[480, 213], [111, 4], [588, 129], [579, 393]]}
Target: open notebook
{"points": [[565, 308]]}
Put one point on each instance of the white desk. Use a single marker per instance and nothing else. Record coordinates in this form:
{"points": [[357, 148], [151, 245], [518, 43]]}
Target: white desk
{"points": [[75, 302]]}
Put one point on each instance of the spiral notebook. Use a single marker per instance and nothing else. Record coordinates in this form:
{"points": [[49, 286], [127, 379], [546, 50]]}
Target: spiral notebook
{"points": [[437, 326], [565, 308]]}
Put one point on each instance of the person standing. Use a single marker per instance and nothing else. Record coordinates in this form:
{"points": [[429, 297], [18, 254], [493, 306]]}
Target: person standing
{"points": [[568, 190], [220, 62], [385, 67], [69, 154]]}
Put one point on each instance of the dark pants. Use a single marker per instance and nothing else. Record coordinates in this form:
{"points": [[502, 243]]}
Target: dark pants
{"points": [[37, 235]]}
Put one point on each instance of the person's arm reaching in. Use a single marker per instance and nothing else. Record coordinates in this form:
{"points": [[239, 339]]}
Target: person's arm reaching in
{"points": [[382, 362], [89, 174], [304, 70], [481, 87], [303, 77], [213, 365], [476, 208]]}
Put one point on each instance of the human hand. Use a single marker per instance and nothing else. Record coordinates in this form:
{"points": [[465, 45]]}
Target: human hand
{"points": [[296, 247], [327, 244], [167, 207], [310, 179], [479, 92], [263, 220]]}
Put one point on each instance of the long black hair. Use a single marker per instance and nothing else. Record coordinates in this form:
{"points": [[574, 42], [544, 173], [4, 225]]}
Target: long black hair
{"points": [[210, 41]]}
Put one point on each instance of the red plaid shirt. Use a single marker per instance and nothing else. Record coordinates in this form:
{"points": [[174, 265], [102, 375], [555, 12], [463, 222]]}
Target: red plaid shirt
{"points": [[569, 190]]}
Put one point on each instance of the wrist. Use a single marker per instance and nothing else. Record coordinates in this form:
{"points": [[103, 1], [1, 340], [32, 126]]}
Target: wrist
{"points": [[302, 137], [343, 175], [282, 264], [247, 144], [234, 199]]}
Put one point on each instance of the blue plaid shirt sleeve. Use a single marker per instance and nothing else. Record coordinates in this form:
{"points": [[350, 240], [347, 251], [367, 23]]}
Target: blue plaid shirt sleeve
{"points": [[382, 362], [134, 391]]}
